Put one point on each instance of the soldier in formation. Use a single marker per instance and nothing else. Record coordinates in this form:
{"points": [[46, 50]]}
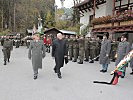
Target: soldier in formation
{"points": [[75, 48], [7, 48], [70, 47], [17, 40], [87, 49], [92, 49], [81, 49]]}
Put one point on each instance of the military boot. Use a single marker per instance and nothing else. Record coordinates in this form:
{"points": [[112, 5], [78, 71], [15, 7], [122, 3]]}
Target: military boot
{"points": [[131, 72], [4, 62]]}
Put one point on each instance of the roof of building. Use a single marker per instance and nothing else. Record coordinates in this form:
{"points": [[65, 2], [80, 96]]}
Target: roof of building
{"points": [[68, 32], [60, 31]]}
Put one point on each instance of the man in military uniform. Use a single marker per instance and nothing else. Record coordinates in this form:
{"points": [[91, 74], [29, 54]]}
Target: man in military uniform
{"points": [[92, 49], [87, 48], [7, 47], [28, 40], [70, 47], [2, 40], [123, 49], [81, 49], [114, 45], [75, 48], [17, 40], [98, 46]]}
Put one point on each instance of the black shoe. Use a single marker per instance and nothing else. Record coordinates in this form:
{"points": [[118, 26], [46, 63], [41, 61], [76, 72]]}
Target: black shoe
{"points": [[104, 71], [122, 76], [86, 60], [4, 62], [97, 60], [131, 73], [55, 70], [101, 70], [59, 75], [113, 60], [8, 60], [91, 61], [70, 59], [35, 77], [80, 62], [74, 61]]}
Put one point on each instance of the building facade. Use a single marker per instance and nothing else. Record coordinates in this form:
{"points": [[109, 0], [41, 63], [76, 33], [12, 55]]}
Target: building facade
{"points": [[112, 16]]}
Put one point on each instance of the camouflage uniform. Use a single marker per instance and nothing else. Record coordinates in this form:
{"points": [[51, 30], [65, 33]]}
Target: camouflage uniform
{"points": [[81, 42], [70, 47], [87, 49], [7, 47], [92, 50], [75, 49]]}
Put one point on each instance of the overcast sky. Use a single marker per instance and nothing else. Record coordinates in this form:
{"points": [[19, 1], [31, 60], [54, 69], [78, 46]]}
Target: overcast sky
{"points": [[67, 3]]}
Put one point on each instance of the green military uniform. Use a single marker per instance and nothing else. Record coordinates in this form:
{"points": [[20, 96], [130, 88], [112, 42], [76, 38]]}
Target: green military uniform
{"points": [[92, 50], [98, 47], [7, 47], [70, 47], [75, 49], [114, 46], [17, 41], [81, 42], [87, 49]]}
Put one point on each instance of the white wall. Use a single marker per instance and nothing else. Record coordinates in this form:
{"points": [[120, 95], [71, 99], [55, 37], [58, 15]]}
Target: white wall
{"points": [[85, 19], [109, 7], [104, 10], [101, 11]]}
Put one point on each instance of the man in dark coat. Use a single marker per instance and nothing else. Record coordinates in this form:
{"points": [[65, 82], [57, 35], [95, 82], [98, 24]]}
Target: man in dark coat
{"points": [[123, 49], [104, 53], [36, 53], [59, 52]]}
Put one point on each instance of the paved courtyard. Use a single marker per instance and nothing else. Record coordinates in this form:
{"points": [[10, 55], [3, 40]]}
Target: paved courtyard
{"points": [[16, 81]]}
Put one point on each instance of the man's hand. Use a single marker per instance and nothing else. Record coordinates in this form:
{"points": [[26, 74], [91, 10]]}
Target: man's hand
{"points": [[107, 55], [65, 56]]}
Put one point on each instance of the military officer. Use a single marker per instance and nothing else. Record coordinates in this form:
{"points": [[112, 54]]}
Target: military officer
{"points": [[92, 49], [87, 48], [28, 40], [70, 47], [98, 46], [81, 49], [7, 47], [17, 40], [36, 53], [75, 48], [114, 46]]}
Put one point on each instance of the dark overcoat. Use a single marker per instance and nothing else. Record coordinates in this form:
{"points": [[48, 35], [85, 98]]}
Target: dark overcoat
{"points": [[59, 50], [105, 50]]}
